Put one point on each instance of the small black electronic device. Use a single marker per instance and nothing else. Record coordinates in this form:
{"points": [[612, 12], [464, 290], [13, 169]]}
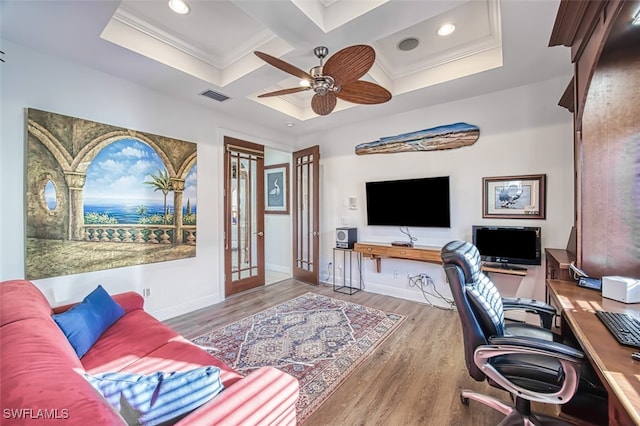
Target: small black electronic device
{"points": [[402, 243], [346, 237], [585, 280], [589, 282]]}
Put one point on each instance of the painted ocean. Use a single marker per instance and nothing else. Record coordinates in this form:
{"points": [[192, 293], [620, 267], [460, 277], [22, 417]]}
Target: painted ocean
{"points": [[131, 213]]}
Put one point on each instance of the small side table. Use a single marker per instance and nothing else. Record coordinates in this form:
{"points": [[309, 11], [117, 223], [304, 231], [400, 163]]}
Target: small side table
{"points": [[348, 257]]}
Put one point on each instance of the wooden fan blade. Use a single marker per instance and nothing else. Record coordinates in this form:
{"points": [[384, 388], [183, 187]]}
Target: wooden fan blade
{"points": [[284, 66], [323, 105], [284, 92], [364, 92], [350, 63]]}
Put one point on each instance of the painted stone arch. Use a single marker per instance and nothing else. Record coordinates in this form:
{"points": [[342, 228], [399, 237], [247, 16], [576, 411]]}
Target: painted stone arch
{"points": [[86, 155], [60, 150], [48, 166]]}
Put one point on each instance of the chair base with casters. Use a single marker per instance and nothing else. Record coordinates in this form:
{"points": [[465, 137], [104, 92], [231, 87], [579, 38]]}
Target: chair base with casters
{"points": [[528, 361], [520, 414]]}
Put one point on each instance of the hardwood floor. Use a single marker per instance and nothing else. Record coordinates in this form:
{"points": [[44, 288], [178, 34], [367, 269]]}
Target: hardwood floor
{"points": [[413, 378]]}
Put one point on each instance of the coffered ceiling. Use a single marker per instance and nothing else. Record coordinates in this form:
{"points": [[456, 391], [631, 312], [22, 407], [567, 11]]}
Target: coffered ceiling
{"points": [[495, 45]]}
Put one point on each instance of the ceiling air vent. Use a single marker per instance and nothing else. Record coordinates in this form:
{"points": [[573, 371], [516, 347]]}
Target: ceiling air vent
{"points": [[214, 95]]}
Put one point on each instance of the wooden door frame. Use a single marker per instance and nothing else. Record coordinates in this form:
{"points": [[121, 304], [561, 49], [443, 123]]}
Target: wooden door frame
{"points": [[258, 150], [312, 277]]}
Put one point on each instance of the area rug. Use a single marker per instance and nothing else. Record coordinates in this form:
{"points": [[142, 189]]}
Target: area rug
{"points": [[317, 339]]}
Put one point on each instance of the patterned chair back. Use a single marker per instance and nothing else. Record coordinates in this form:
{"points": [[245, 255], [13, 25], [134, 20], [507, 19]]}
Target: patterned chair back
{"points": [[478, 301]]}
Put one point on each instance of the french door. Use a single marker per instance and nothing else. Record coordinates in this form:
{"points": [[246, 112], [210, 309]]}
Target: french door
{"points": [[243, 215], [306, 213]]}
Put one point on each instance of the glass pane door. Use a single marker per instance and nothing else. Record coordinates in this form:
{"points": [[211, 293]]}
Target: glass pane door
{"points": [[244, 217], [306, 215]]}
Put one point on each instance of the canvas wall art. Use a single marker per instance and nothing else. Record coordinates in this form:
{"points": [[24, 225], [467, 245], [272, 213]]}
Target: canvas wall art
{"points": [[101, 197]]}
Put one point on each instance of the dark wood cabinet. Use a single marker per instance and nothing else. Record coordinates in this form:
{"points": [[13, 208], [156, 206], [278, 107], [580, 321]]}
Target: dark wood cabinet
{"points": [[604, 96]]}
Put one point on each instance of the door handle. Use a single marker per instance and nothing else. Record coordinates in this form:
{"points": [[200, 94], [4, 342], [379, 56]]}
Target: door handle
{"points": [[259, 234], [314, 233]]}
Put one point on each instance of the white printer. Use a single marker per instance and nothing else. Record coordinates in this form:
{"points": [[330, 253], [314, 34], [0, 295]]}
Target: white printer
{"points": [[622, 289]]}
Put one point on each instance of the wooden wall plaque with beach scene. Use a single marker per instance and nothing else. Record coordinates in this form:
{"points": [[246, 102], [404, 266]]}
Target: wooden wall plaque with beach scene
{"points": [[450, 136]]}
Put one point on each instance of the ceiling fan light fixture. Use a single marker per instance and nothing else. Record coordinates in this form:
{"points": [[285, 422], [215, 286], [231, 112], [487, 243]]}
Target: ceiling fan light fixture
{"points": [[338, 78], [321, 52], [316, 71], [446, 29], [179, 6]]}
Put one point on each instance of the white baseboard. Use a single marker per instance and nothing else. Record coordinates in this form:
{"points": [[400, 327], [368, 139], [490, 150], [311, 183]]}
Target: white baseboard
{"points": [[185, 308], [278, 268], [406, 294]]}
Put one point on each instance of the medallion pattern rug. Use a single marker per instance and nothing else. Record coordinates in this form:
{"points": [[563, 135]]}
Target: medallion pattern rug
{"points": [[317, 339]]}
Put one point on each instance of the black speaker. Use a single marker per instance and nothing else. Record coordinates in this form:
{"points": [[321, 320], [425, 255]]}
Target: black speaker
{"points": [[346, 237]]}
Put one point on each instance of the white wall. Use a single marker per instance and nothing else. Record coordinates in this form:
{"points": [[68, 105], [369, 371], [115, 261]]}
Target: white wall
{"points": [[522, 131], [32, 80]]}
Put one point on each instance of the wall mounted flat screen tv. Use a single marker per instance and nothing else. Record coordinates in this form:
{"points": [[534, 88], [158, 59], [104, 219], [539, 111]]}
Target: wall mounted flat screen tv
{"points": [[421, 202], [508, 244]]}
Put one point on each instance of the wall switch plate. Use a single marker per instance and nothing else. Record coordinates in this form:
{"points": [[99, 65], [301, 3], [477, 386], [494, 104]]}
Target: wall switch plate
{"points": [[344, 220], [353, 203]]}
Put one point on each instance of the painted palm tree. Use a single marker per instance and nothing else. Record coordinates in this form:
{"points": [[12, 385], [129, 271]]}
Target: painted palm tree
{"points": [[142, 210], [162, 182]]}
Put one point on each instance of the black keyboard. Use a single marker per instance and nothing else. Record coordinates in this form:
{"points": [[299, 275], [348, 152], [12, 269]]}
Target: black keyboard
{"points": [[624, 327]]}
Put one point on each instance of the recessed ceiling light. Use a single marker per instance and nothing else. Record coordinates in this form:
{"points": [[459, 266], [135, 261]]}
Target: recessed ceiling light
{"points": [[290, 124], [446, 29], [179, 6], [408, 43]]}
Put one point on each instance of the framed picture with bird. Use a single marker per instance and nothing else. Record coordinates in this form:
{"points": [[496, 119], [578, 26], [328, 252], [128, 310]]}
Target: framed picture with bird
{"points": [[276, 181], [514, 197]]}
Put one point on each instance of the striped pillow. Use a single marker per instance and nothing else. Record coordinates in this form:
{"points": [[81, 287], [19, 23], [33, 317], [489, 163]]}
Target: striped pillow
{"points": [[159, 397]]}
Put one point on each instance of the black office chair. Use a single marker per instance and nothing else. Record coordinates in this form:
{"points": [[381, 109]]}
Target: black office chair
{"points": [[528, 361]]}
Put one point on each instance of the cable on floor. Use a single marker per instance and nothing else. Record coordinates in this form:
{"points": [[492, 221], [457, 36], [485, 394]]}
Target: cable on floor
{"points": [[422, 281]]}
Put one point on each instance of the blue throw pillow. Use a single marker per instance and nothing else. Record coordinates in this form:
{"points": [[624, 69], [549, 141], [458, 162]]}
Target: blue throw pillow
{"points": [[159, 397], [85, 322]]}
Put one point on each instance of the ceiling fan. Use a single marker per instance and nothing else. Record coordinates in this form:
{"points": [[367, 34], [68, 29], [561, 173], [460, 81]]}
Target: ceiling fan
{"points": [[338, 78]]}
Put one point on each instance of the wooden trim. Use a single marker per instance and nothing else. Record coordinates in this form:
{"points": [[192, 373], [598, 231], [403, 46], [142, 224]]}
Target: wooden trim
{"points": [[519, 272], [248, 151], [306, 211], [243, 146], [568, 99], [568, 20], [378, 251]]}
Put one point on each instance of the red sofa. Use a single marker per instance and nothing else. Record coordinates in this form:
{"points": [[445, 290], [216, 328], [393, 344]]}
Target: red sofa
{"points": [[41, 376]]}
